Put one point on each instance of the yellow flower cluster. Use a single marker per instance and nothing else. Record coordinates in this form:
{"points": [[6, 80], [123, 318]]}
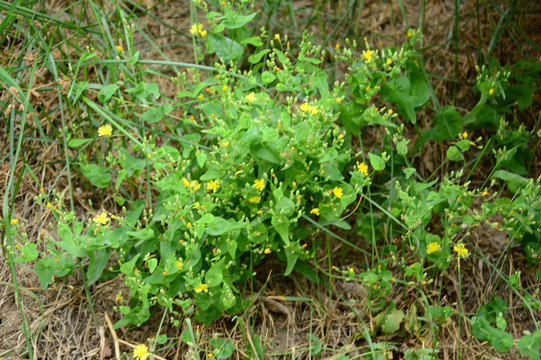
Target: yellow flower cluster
{"points": [[202, 287], [367, 55], [338, 192], [251, 97], [315, 211], [198, 29], [310, 109], [213, 185], [194, 184], [362, 168], [259, 184]]}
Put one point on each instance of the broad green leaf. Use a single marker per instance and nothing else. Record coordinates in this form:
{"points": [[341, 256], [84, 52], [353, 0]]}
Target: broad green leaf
{"points": [[447, 124], [454, 154], [98, 176], [143, 90], [281, 224], [201, 158], [267, 77], [254, 40], [224, 47], [45, 270], [107, 92], [377, 162], [156, 113], [514, 182], [224, 348], [97, 265], [255, 58], [530, 345], [28, 253], [315, 345], [235, 21], [292, 258], [215, 274], [221, 226]]}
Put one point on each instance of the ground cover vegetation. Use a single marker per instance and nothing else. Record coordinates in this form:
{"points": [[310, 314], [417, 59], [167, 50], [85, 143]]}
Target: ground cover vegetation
{"points": [[270, 179]]}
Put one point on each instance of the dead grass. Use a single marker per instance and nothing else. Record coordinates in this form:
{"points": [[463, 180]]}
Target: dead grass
{"points": [[61, 318]]}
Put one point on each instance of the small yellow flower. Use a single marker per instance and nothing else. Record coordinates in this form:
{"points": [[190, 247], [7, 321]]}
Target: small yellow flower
{"points": [[389, 61], [259, 212], [367, 54], [14, 221], [351, 270], [198, 29], [410, 33], [213, 185], [179, 264], [255, 199], [259, 184], [390, 111], [363, 168], [465, 134], [338, 192], [267, 251], [485, 193], [141, 352], [338, 100], [102, 218], [119, 48], [337, 46], [491, 91], [432, 247], [315, 211], [311, 109], [202, 287], [341, 136], [276, 36], [461, 250], [294, 183], [105, 130], [251, 97]]}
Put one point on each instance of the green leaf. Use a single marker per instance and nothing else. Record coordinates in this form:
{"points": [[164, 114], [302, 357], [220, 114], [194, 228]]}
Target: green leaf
{"points": [[398, 92], [530, 344], [281, 224], [77, 142], [315, 345], [98, 176], [144, 90], [224, 47], [221, 226], [201, 158], [224, 348], [45, 270], [127, 268], [254, 40], [255, 58], [514, 182], [291, 258], [235, 21], [28, 253], [107, 92], [97, 265], [215, 274], [134, 58], [152, 264], [409, 171], [267, 77], [155, 114], [447, 124], [454, 154], [390, 319], [377, 162]]}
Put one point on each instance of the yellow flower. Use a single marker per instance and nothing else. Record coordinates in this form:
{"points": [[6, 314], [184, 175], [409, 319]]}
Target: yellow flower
{"points": [[465, 134], [179, 265], [315, 211], [105, 130], [351, 270], [202, 287], [251, 97], [213, 185], [461, 250], [389, 61], [119, 48], [198, 29], [14, 221], [432, 247], [267, 251], [367, 54], [276, 36], [255, 199], [259, 184], [485, 193], [362, 168], [491, 91], [307, 108], [390, 111], [141, 352], [101, 218], [410, 33], [338, 192]]}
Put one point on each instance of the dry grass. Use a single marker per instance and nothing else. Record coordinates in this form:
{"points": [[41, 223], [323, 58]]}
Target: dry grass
{"points": [[61, 318]]}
